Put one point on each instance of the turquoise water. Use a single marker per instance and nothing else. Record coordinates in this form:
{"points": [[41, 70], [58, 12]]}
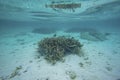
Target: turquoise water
{"points": [[94, 23]]}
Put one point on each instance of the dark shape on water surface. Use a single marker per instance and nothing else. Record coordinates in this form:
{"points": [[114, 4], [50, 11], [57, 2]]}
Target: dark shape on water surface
{"points": [[55, 48], [44, 30], [70, 6]]}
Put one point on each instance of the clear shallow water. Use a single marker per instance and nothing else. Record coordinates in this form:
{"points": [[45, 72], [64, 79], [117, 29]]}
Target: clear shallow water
{"points": [[101, 14], [30, 10], [95, 24]]}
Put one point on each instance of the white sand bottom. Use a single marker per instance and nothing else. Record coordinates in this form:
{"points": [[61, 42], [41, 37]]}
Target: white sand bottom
{"points": [[100, 60]]}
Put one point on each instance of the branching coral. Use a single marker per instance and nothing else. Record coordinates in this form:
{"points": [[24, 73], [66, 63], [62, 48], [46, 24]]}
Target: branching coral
{"points": [[55, 48]]}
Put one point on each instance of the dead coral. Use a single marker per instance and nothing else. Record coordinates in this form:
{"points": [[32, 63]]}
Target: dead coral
{"points": [[55, 48], [1, 78], [15, 72]]}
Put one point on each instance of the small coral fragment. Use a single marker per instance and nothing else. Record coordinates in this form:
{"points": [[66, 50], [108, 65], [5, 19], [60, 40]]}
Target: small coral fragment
{"points": [[71, 74], [109, 68], [81, 64]]}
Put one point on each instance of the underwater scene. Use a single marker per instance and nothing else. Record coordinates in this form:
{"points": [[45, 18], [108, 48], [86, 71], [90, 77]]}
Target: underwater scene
{"points": [[59, 39]]}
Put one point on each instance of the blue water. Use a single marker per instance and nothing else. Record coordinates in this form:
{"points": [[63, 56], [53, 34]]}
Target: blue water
{"points": [[96, 24]]}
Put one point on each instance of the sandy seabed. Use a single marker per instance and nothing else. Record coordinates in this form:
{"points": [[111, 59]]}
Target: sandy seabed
{"points": [[19, 59]]}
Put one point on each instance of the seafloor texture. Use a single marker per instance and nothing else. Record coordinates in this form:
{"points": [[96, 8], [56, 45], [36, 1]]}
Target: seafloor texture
{"points": [[19, 58]]}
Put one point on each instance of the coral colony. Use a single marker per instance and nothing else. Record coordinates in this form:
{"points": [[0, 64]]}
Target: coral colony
{"points": [[55, 48]]}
